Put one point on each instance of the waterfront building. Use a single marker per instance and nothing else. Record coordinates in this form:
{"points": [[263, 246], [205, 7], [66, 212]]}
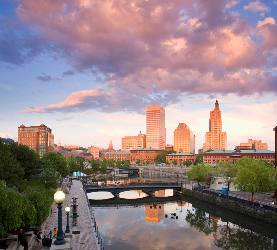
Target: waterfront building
{"points": [[216, 156], [144, 155], [252, 144], [133, 142], [215, 139], [184, 139], [180, 157], [155, 127], [116, 155], [95, 151], [39, 138]]}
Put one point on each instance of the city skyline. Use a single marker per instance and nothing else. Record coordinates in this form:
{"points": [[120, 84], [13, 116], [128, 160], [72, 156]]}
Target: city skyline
{"points": [[215, 122], [89, 75]]}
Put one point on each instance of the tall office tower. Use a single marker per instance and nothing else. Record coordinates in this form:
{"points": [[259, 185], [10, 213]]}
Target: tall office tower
{"points": [[184, 139], [155, 127], [38, 138], [133, 142], [215, 139]]}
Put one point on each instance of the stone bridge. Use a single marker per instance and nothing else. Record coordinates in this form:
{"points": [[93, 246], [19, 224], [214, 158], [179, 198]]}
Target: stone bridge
{"points": [[146, 188]]}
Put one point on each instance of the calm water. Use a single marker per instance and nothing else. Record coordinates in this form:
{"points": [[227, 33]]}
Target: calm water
{"points": [[176, 224]]}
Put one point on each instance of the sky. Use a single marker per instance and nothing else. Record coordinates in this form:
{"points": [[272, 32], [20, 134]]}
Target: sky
{"points": [[88, 68]]}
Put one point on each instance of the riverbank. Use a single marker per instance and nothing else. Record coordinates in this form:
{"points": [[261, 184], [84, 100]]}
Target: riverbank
{"points": [[266, 215]]}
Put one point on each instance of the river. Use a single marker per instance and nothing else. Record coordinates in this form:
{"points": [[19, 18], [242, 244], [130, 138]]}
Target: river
{"points": [[174, 222]]}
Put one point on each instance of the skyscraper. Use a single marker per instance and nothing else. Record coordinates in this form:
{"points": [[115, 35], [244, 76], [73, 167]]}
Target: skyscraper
{"points": [[38, 138], [184, 139], [155, 127], [215, 139]]}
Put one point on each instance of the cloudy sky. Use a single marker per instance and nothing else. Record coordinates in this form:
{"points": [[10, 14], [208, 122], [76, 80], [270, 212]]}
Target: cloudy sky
{"points": [[87, 68]]}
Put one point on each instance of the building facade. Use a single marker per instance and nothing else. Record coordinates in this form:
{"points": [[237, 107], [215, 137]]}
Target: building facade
{"points": [[38, 138], [180, 158], [116, 155], [215, 139], [95, 151], [252, 144], [184, 139], [155, 127], [216, 156], [145, 155], [133, 142]]}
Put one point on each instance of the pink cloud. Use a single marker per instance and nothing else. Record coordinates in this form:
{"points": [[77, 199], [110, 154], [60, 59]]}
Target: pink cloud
{"points": [[151, 50], [257, 6]]}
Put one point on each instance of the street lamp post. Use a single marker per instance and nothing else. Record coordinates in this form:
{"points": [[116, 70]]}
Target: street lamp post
{"points": [[228, 182], [59, 197], [67, 210]]}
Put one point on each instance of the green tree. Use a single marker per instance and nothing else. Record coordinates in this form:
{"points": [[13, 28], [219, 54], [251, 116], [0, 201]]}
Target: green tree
{"points": [[199, 173], [54, 165], [10, 170], [75, 164], [255, 176], [161, 157], [27, 158], [199, 159], [41, 199]]}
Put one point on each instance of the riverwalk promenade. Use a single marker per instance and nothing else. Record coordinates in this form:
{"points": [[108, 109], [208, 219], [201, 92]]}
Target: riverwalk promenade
{"points": [[82, 235]]}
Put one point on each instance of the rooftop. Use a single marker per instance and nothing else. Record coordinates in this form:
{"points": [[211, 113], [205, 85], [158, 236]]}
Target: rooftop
{"points": [[181, 154], [247, 151]]}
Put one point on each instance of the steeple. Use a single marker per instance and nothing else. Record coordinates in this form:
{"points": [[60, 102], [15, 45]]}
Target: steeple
{"points": [[110, 145], [216, 105]]}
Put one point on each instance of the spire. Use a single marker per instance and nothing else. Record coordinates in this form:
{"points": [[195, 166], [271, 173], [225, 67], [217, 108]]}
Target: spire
{"points": [[216, 104], [110, 145]]}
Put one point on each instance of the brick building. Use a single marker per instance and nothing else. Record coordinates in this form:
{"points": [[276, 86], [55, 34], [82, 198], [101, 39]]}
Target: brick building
{"points": [[216, 156], [38, 138], [180, 158]]}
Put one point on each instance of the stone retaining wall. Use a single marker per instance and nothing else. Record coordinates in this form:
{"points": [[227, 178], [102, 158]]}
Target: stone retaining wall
{"points": [[261, 214]]}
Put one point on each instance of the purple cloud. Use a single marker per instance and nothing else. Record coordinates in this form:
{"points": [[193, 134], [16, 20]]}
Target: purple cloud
{"points": [[180, 46]]}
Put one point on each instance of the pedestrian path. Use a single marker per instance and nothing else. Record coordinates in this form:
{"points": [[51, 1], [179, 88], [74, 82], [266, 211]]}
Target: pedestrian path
{"points": [[84, 237]]}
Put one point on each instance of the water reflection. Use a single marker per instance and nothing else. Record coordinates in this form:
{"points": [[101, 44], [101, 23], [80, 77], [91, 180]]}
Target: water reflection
{"points": [[101, 195], [176, 225], [133, 194]]}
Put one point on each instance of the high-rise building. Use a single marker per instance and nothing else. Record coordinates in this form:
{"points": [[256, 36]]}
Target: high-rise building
{"points": [[155, 127], [215, 139], [252, 144], [184, 139], [133, 142], [38, 138]]}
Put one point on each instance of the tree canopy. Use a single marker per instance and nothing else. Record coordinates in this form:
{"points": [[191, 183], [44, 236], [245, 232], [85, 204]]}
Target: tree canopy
{"points": [[199, 173], [255, 176], [54, 165]]}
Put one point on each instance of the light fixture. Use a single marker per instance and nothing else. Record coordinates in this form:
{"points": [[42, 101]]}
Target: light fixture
{"points": [[59, 197]]}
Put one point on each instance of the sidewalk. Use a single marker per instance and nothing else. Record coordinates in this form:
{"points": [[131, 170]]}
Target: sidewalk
{"points": [[85, 240]]}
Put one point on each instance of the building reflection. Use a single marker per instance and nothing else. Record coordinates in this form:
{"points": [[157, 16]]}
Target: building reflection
{"points": [[155, 212]]}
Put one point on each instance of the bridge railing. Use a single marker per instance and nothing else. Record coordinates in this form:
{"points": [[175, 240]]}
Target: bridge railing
{"points": [[134, 185]]}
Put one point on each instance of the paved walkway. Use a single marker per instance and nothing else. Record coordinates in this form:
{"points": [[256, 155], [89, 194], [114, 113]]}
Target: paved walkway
{"points": [[264, 198], [86, 239]]}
